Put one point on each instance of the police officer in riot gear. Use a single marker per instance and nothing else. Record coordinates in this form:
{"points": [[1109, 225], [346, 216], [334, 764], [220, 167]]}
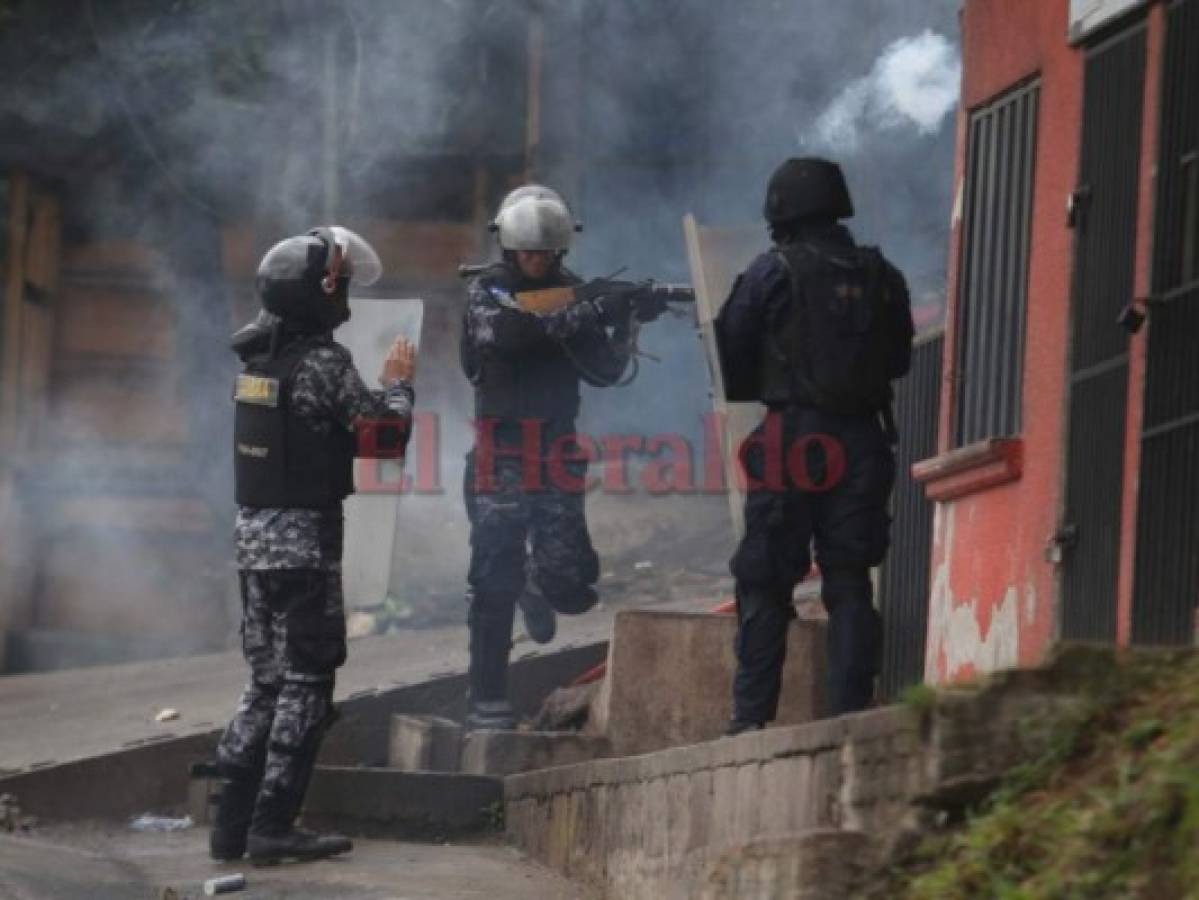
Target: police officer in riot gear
{"points": [[816, 329], [530, 546], [299, 400]]}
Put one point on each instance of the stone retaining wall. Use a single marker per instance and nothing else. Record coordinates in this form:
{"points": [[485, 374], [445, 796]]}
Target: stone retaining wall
{"points": [[649, 826], [666, 824]]}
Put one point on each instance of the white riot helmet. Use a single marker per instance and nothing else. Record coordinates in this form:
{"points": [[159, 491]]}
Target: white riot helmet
{"points": [[533, 217]]}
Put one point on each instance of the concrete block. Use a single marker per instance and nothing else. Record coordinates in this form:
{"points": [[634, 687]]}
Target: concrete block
{"points": [[724, 803], [656, 823], [678, 818], [646, 705], [700, 817], [787, 804], [412, 805], [746, 814], [510, 752], [815, 865], [826, 789], [424, 744], [202, 794]]}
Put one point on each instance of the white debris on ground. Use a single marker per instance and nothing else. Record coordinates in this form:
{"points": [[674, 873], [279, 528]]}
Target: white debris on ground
{"points": [[149, 822]]}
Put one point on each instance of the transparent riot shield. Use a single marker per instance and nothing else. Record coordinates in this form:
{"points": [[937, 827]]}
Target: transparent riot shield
{"points": [[371, 513], [716, 256]]}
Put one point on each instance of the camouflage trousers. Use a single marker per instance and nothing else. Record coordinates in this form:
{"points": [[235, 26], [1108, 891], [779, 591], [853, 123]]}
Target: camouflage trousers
{"points": [[521, 536], [294, 638]]}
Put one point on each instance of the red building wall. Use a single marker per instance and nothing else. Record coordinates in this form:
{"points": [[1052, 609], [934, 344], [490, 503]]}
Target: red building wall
{"points": [[994, 594]]}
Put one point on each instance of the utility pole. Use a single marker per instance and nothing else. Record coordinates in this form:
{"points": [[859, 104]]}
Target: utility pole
{"points": [[536, 46], [330, 183]]}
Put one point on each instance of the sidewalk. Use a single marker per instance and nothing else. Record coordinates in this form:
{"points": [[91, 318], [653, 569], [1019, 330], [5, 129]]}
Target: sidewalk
{"points": [[111, 862]]}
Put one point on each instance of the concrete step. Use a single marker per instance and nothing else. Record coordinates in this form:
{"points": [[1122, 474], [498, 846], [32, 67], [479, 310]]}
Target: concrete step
{"points": [[424, 744], [427, 806], [510, 752]]}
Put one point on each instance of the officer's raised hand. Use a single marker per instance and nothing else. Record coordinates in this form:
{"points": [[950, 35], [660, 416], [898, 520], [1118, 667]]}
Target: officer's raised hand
{"points": [[400, 364]]}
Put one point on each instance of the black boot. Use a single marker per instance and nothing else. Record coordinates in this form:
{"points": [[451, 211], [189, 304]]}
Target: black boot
{"points": [[490, 622], [235, 809], [490, 715], [274, 838], [296, 845], [541, 622], [855, 633]]}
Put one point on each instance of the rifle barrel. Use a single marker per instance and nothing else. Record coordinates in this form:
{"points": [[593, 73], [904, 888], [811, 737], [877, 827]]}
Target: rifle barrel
{"points": [[678, 293]]}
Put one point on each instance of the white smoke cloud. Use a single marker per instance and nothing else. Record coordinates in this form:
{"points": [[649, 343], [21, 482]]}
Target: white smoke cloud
{"points": [[914, 83]]}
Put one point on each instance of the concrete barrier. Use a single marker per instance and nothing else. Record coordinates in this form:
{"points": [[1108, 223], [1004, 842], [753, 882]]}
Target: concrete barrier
{"points": [[425, 744], [670, 677]]}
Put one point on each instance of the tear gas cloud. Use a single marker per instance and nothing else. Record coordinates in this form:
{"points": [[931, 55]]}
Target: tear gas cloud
{"points": [[914, 84], [164, 123]]}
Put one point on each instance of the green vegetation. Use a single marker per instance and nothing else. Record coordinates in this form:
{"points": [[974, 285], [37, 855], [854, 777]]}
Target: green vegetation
{"points": [[1109, 810], [919, 697]]}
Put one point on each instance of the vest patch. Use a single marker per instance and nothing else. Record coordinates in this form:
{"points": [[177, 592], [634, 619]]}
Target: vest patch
{"points": [[257, 390]]}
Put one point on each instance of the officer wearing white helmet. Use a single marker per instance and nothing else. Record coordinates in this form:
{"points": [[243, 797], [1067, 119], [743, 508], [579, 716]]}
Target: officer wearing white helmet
{"points": [[525, 348]]}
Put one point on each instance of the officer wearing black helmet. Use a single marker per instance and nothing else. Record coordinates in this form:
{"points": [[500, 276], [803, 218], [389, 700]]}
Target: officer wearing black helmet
{"points": [[816, 329], [299, 401], [530, 546]]}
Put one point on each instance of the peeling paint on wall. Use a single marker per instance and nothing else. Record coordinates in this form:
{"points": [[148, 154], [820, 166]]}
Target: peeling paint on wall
{"points": [[965, 635]]}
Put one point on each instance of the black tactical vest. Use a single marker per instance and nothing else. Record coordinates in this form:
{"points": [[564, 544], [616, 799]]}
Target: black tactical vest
{"points": [[830, 351], [280, 461], [539, 381]]}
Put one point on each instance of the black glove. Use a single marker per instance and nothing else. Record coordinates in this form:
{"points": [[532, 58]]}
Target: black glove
{"points": [[650, 304], [613, 308]]}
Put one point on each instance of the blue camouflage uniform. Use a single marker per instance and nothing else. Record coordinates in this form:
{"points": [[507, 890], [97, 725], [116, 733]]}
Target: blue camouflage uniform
{"points": [[289, 562], [523, 478]]}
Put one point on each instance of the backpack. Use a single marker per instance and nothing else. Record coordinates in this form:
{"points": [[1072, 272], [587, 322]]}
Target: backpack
{"points": [[832, 351]]}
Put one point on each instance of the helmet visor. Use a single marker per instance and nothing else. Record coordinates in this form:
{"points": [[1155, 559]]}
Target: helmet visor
{"points": [[365, 267]]}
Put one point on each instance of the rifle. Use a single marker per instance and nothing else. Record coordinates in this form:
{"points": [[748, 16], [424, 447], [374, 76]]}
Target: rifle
{"points": [[647, 299]]}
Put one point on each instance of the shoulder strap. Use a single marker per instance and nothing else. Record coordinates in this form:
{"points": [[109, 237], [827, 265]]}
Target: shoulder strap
{"points": [[786, 344]]}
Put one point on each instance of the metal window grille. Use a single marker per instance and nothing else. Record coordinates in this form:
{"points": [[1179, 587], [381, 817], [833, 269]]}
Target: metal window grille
{"points": [[1176, 235], [992, 294], [1166, 582], [904, 579]]}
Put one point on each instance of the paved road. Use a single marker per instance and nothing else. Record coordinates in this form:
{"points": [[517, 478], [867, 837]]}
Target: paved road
{"points": [[106, 863]]}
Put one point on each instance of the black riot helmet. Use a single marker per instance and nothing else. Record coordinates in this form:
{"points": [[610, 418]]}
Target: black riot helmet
{"points": [[305, 280], [807, 188]]}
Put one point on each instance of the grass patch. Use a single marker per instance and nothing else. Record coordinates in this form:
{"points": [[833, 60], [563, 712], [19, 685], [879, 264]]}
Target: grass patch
{"points": [[919, 697], [1109, 810]]}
